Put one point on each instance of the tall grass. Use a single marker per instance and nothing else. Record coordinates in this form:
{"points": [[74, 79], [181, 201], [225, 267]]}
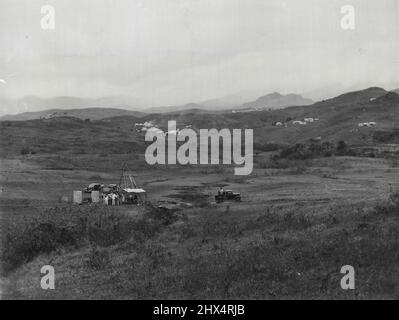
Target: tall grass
{"points": [[284, 253], [70, 227], [271, 253]]}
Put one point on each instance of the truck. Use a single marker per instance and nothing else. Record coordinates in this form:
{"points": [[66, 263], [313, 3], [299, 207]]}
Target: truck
{"points": [[227, 195]]}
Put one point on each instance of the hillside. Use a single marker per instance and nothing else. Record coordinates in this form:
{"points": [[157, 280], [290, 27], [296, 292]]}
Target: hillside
{"points": [[338, 119], [68, 136]]}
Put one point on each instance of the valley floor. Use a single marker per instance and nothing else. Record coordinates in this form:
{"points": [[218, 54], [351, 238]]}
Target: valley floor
{"points": [[288, 238]]}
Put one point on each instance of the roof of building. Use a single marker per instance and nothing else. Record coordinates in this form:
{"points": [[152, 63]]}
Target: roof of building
{"points": [[136, 190]]}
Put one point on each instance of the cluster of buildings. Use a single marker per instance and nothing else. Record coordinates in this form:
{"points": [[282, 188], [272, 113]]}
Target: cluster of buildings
{"points": [[252, 109], [296, 122], [305, 121], [149, 126], [367, 124], [54, 114], [111, 194], [142, 127]]}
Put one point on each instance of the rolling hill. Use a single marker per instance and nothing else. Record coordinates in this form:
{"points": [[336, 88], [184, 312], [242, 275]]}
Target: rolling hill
{"points": [[35, 104], [86, 113]]}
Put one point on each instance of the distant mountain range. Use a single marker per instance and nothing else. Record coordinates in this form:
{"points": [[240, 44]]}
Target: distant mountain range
{"points": [[276, 100], [107, 107], [232, 100], [32, 107], [338, 119], [270, 101], [180, 108]]}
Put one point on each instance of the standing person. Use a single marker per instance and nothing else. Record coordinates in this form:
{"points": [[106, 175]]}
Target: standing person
{"points": [[123, 198], [113, 197], [106, 199]]}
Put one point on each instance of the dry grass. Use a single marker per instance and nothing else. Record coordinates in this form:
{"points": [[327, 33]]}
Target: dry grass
{"points": [[69, 227], [278, 252]]}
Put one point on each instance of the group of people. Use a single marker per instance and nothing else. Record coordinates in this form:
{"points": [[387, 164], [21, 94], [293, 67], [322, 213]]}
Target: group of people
{"points": [[113, 199]]}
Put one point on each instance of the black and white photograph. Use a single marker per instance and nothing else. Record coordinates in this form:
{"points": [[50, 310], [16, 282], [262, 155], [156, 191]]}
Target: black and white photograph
{"points": [[199, 150]]}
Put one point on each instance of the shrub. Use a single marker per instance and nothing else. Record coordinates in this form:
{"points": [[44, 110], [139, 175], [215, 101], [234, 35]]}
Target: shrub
{"points": [[25, 151], [301, 151], [341, 146], [386, 136], [97, 259], [266, 147], [43, 237], [389, 207]]}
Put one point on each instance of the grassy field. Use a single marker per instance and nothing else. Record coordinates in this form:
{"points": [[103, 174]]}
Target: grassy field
{"points": [[289, 237]]}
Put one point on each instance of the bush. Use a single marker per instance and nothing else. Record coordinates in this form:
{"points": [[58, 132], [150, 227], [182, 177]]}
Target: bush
{"points": [[25, 151], [97, 259], [386, 136], [303, 152], [20, 246], [266, 147], [389, 207], [341, 146]]}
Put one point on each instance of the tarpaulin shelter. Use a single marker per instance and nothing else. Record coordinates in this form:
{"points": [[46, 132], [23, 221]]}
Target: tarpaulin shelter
{"points": [[94, 186]]}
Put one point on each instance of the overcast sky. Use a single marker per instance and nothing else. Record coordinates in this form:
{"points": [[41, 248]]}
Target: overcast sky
{"points": [[170, 52]]}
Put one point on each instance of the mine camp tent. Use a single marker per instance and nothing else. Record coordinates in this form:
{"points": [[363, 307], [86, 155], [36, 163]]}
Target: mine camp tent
{"points": [[135, 195]]}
